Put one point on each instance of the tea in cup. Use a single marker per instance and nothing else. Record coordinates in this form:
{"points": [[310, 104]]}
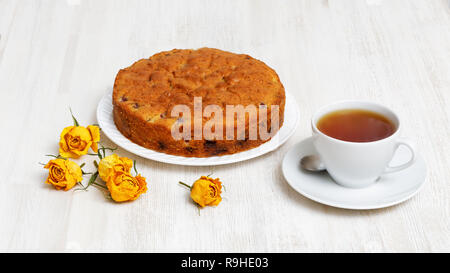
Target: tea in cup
{"points": [[356, 140]]}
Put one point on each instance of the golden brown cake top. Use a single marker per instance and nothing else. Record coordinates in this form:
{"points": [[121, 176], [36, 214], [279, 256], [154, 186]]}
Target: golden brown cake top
{"points": [[152, 87]]}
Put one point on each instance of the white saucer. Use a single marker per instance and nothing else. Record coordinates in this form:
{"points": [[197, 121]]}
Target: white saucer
{"points": [[387, 191], [106, 122]]}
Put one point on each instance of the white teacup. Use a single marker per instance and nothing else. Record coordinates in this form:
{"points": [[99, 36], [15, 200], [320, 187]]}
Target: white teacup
{"points": [[359, 164]]}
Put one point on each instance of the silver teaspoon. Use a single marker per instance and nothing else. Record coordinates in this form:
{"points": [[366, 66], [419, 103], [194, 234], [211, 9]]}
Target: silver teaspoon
{"points": [[312, 163]]}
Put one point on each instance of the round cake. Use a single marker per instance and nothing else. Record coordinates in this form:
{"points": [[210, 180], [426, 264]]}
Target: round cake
{"points": [[146, 94]]}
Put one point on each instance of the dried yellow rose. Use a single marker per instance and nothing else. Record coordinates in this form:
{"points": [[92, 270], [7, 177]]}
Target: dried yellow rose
{"points": [[63, 174], [112, 164], [206, 191], [124, 187], [76, 140]]}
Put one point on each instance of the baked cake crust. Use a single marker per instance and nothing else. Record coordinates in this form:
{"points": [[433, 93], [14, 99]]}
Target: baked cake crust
{"points": [[145, 93]]}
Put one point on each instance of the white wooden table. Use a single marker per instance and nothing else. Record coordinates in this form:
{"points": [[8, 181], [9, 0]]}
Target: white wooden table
{"points": [[56, 54]]}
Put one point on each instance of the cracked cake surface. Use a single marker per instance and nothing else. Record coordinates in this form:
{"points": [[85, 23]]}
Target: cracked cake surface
{"points": [[146, 92]]}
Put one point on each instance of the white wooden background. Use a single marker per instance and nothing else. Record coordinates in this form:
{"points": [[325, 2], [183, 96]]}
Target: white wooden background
{"points": [[56, 54]]}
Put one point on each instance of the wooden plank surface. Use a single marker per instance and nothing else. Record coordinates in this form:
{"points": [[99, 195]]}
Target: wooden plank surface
{"points": [[56, 54]]}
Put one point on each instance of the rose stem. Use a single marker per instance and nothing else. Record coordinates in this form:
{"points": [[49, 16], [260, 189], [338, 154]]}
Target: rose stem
{"points": [[184, 184]]}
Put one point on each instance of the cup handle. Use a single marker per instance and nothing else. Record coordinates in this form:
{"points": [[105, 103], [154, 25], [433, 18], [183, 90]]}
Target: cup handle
{"points": [[408, 143]]}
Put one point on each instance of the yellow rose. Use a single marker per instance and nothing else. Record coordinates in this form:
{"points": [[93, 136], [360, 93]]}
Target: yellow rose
{"points": [[206, 191], [76, 140], [63, 174], [112, 164], [124, 187]]}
